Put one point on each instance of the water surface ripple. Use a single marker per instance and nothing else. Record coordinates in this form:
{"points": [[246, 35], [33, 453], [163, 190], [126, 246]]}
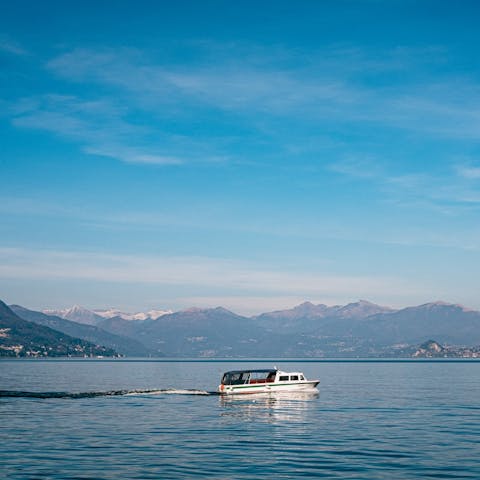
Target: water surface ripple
{"points": [[145, 420]]}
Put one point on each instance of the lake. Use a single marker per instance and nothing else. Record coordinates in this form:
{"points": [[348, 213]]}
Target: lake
{"points": [[370, 420]]}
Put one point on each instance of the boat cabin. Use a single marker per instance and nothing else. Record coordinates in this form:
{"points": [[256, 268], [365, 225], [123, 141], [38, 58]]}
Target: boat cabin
{"points": [[248, 377], [261, 381], [243, 377]]}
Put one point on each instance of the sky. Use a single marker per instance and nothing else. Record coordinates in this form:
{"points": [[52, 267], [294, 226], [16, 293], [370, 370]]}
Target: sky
{"points": [[252, 155]]}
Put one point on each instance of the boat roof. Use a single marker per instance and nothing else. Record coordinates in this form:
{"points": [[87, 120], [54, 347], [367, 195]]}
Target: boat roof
{"points": [[264, 370]]}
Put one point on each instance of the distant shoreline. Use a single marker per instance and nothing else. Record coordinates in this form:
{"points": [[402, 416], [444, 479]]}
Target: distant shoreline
{"points": [[245, 360]]}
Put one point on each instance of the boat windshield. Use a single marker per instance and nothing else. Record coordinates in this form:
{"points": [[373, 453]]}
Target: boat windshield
{"points": [[245, 376], [236, 378]]}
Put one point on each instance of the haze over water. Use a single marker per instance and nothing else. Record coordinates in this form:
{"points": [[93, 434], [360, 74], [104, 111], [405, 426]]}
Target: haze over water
{"points": [[369, 421]]}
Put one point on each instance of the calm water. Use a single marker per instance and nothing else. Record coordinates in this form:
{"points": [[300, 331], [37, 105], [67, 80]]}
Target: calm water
{"points": [[369, 421]]}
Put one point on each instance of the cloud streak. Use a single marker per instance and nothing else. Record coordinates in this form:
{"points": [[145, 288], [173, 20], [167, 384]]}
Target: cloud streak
{"points": [[325, 84], [208, 217], [133, 155], [448, 191], [101, 127], [9, 45], [224, 84], [469, 172], [150, 110], [193, 272]]}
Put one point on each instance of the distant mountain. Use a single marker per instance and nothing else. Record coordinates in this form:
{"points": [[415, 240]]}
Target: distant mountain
{"points": [[95, 317], [360, 310], [19, 337], [98, 336], [308, 317], [151, 314], [366, 329], [76, 314], [189, 333], [119, 326], [448, 323], [304, 310], [209, 333]]}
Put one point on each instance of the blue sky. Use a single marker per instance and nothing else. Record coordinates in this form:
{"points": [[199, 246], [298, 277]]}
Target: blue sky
{"points": [[252, 155]]}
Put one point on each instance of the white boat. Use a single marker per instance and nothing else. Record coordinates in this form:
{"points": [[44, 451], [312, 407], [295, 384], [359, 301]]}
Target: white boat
{"points": [[264, 381]]}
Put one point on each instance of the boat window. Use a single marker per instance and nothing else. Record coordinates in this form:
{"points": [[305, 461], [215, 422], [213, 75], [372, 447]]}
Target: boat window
{"points": [[284, 378], [262, 377], [294, 377], [302, 377], [238, 378]]}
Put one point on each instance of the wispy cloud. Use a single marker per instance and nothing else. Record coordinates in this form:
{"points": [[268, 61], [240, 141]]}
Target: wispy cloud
{"points": [[9, 45], [325, 84], [215, 217], [73, 117], [192, 272], [256, 91], [432, 108], [133, 155], [359, 167], [224, 84], [470, 172], [447, 191], [102, 128]]}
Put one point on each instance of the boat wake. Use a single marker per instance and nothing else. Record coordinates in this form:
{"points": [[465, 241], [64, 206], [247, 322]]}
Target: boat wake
{"points": [[111, 393]]}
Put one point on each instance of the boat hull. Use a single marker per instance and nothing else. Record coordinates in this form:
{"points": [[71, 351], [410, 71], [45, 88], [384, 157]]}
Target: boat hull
{"points": [[300, 386]]}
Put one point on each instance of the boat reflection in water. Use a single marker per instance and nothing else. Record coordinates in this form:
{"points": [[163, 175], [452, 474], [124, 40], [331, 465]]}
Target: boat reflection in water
{"points": [[270, 407]]}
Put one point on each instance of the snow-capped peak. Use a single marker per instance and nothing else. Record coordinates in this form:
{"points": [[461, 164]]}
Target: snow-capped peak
{"points": [[75, 314], [151, 314]]}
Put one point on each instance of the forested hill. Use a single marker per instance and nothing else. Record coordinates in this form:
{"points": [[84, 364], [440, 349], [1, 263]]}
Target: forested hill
{"points": [[20, 338]]}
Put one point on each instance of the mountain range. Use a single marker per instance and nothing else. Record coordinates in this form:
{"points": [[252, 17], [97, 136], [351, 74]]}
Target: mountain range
{"points": [[22, 338], [127, 346], [359, 329], [93, 317]]}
